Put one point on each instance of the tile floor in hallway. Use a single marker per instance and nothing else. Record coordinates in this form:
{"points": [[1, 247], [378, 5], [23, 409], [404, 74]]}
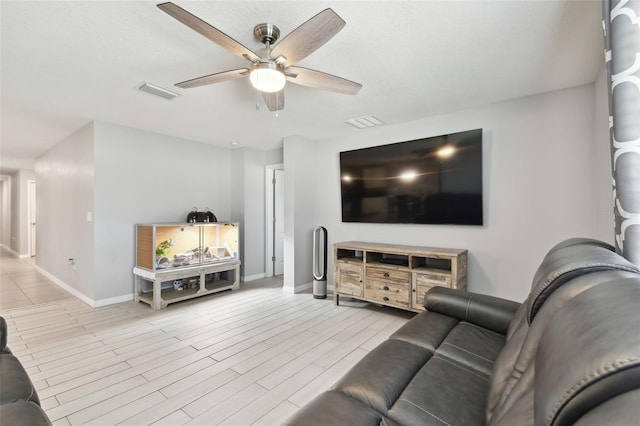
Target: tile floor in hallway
{"points": [[22, 285]]}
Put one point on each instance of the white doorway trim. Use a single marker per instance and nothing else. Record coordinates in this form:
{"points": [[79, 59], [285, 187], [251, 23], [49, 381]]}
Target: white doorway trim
{"points": [[31, 218], [269, 217]]}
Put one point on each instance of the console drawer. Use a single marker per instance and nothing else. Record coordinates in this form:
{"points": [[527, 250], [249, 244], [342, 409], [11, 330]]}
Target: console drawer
{"points": [[387, 291], [390, 275], [430, 280], [349, 279]]}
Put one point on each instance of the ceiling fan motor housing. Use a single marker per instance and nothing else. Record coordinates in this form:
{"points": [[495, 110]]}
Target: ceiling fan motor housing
{"points": [[266, 33]]}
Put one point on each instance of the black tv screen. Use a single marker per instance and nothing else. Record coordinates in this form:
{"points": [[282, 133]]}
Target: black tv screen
{"points": [[435, 180]]}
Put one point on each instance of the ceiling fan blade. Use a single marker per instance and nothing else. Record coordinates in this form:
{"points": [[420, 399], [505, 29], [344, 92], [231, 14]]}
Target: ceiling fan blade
{"points": [[207, 30], [308, 37], [322, 80], [214, 78], [274, 100]]}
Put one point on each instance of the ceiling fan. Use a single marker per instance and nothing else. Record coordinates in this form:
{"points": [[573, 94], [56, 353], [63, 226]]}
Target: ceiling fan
{"points": [[272, 66]]}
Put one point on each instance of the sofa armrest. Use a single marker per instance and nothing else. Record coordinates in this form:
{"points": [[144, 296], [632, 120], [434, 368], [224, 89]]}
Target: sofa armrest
{"points": [[488, 312], [3, 335]]}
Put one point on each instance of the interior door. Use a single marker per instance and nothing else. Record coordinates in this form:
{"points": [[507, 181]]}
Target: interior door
{"points": [[278, 227]]}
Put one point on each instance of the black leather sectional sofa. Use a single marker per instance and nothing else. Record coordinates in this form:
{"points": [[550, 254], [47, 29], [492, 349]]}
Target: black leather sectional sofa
{"points": [[19, 403], [570, 354]]}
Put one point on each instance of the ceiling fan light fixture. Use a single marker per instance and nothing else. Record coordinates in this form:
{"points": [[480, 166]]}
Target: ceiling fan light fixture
{"points": [[267, 77]]}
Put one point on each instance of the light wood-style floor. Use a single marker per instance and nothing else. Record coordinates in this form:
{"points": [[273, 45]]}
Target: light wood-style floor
{"points": [[22, 285], [252, 356]]}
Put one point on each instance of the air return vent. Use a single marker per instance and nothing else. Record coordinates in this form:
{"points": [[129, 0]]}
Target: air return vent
{"points": [[154, 89], [364, 122]]}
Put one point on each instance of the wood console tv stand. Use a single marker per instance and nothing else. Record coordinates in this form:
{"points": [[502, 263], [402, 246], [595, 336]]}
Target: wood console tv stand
{"points": [[395, 275]]}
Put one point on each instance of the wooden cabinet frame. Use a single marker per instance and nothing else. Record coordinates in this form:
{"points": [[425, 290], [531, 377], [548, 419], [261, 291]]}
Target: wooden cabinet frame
{"points": [[395, 275]]}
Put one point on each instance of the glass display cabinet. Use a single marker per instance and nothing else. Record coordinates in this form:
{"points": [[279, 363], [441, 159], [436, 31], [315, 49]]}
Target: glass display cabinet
{"points": [[179, 261]]}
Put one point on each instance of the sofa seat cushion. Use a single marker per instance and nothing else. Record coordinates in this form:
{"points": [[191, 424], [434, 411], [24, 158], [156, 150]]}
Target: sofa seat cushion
{"points": [[16, 385], [334, 408], [473, 347], [22, 413], [381, 376], [442, 393]]}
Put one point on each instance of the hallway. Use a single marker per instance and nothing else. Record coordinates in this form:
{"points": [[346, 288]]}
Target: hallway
{"points": [[22, 285]]}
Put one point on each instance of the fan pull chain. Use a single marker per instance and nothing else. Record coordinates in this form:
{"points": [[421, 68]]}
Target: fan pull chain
{"points": [[257, 100]]}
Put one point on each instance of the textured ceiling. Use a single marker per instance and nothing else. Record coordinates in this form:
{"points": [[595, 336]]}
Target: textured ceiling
{"points": [[66, 63]]}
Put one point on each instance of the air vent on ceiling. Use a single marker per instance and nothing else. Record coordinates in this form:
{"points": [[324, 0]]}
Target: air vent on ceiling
{"points": [[364, 122], [154, 89]]}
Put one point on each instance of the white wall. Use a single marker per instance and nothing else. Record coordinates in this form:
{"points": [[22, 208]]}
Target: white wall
{"points": [[538, 177], [254, 217], [93, 188], [64, 179], [300, 161], [274, 156], [237, 199], [144, 177], [248, 208], [5, 210]]}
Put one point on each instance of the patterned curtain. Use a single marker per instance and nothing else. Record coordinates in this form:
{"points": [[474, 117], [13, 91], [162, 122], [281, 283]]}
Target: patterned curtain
{"points": [[621, 24]]}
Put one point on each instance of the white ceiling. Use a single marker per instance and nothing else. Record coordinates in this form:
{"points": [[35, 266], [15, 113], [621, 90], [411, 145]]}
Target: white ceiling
{"points": [[66, 63]]}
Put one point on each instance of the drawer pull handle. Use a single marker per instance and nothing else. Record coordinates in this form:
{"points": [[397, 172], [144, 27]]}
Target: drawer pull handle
{"points": [[385, 288], [386, 299], [386, 275]]}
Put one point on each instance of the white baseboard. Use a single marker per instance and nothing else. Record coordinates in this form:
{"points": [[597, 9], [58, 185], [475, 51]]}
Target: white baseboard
{"points": [[64, 285], [254, 277], [79, 295], [297, 289], [113, 300], [14, 253]]}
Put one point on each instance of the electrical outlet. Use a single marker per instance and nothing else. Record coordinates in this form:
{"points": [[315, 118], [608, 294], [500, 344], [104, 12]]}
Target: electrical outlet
{"points": [[72, 262]]}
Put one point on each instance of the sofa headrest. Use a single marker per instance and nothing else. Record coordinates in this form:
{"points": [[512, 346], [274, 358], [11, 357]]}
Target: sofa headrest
{"points": [[564, 263], [590, 354], [579, 241]]}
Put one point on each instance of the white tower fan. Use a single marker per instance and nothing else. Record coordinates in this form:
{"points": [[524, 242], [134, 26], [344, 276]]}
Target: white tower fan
{"points": [[320, 262]]}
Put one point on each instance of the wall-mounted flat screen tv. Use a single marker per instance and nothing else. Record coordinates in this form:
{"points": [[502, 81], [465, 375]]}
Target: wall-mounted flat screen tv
{"points": [[434, 180]]}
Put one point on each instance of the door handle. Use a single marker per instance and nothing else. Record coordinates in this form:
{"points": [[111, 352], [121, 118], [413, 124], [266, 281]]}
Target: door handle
{"points": [[386, 288], [386, 275]]}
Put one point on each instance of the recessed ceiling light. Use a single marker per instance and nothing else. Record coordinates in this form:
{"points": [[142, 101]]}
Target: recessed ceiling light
{"points": [[365, 122], [154, 89]]}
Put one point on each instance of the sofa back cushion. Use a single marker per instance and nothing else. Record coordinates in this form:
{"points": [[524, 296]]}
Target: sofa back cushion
{"points": [[590, 355], [569, 268]]}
